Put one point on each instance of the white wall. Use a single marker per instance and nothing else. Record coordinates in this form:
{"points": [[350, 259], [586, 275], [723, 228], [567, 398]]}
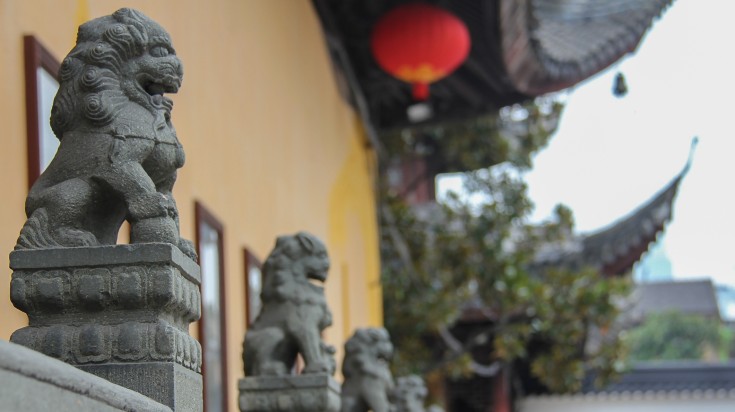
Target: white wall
{"points": [[654, 403]]}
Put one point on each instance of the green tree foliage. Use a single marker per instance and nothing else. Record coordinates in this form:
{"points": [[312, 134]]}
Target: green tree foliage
{"points": [[677, 336], [513, 135], [437, 259]]}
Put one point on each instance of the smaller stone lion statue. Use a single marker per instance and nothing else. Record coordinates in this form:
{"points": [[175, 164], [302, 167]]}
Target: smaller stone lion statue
{"points": [[119, 152], [294, 311], [368, 380], [409, 394]]}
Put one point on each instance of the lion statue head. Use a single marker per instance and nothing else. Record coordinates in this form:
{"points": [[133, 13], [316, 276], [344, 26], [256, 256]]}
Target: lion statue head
{"points": [[409, 394], [367, 347], [368, 380], [117, 75], [294, 260]]}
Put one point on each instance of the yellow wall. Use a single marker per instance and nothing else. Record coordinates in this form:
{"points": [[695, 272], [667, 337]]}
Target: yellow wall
{"points": [[271, 147]]}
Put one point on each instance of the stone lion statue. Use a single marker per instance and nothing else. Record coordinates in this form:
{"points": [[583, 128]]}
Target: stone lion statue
{"points": [[409, 394], [368, 380], [294, 311], [119, 152]]}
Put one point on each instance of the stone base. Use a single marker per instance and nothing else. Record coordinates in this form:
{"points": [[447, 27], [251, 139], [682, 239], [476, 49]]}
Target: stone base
{"points": [[120, 312], [303, 393], [108, 304], [168, 383]]}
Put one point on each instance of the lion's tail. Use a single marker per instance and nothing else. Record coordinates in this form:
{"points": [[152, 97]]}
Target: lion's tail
{"points": [[35, 233]]}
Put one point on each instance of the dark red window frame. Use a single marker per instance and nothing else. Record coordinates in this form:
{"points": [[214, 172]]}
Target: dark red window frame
{"points": [[203, 215], [250, 260], [36, 55]]}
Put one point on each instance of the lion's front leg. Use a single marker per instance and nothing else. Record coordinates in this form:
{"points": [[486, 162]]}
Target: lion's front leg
{"points": [[185, 245], [126, 176], [303, 329], [151, 213], [131, 182]]}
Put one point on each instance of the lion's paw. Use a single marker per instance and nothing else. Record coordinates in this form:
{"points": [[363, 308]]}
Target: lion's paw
{"points": [[317, 367]]}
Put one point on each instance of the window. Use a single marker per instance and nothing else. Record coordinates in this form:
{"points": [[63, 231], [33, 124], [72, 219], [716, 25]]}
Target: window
{"points": [[253, 286], [41, 69], [212, 326]]}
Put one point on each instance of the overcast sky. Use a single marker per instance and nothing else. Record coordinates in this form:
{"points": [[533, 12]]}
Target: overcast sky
{"points": [[610, 155]]}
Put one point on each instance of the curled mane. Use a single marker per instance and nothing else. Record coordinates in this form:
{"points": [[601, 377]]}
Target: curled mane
{"points": [[91, 86]]}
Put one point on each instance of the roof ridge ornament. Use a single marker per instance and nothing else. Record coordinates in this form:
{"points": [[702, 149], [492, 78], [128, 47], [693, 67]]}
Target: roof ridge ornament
{"points": [[690, 158]]}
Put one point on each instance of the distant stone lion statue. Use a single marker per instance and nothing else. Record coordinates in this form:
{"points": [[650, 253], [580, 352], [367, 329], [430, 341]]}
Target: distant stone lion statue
{"points": [[368, 380], [409, 394], [294, 311], [119, 152]]}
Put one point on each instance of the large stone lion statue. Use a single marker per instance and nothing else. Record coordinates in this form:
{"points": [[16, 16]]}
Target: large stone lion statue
{"points": [[368, 381], [294, 311], [119, 152]]}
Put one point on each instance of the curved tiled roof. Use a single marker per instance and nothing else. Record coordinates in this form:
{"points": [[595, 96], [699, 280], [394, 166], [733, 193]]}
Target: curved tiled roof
{"points": [[615, 249], [550, 45], [520, 49]]}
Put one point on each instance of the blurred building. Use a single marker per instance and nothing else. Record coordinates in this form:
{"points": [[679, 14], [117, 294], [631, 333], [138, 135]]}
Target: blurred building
{"points": [[726, 299], [521, 49], [655, 266], [281, 115], [694, 297], [651, 387]]}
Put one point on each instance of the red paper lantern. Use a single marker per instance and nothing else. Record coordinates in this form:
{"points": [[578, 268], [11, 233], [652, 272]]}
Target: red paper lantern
{"points": [[420, 44]]}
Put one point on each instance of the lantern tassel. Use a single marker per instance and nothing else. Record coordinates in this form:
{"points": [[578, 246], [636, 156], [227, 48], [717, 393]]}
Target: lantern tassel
{"points": [[420, 91]]}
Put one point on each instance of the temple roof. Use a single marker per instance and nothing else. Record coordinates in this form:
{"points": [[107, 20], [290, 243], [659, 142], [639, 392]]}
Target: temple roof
{"points": [[549, 45], [694, 297], [659, 381], [520, 49], [672, 376], [615, 249]]}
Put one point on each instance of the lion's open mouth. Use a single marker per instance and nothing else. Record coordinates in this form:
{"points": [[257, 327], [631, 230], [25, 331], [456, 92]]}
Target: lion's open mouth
{"points": [[156, 88], [320, 276]]}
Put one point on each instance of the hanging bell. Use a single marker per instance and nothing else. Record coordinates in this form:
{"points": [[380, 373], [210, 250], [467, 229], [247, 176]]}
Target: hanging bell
{"points": [[620, 88]]}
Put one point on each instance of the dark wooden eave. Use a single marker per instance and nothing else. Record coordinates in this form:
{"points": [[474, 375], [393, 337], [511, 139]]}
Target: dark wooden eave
{"points": [[549, 45], [520, 49]]}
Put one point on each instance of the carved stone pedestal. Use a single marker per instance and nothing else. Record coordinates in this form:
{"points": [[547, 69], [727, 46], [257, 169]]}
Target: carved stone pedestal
{"points": [[302, 393], [120, 312]]}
